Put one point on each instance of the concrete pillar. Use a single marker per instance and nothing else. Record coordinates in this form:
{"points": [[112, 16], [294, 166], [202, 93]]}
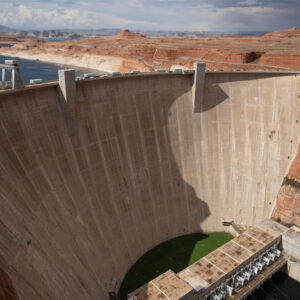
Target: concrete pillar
{"points": [[67, 84], [67, 91], [17, 80], [14, 73], [3, 75], [198, 86]]}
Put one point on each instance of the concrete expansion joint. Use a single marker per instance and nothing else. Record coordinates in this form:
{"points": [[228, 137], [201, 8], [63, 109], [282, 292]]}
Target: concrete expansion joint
{"points": [[227, 254], [214, 265], [247, 250], [160, 290], [253, 238]]}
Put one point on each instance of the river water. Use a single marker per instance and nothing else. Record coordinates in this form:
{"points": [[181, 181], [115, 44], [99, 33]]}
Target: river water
{"points": [[278, 287], [33, 69]]}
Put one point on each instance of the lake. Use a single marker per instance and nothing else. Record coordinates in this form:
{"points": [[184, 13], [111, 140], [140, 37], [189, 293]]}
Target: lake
{"points": [[33, 69]]}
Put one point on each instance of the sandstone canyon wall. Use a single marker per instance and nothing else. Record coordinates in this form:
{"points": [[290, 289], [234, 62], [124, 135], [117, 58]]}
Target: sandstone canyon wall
{"points": [[128, 51], [287, 209]]}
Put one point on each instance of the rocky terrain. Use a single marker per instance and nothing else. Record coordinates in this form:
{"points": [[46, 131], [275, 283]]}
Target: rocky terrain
{"points": [[65, 34], [127, 51], [153, 33], [48, 34], [7, 40], [287, 210]]}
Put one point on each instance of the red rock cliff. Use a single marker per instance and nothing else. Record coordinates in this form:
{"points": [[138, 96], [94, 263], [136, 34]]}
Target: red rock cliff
{"points": [[287, 209]]}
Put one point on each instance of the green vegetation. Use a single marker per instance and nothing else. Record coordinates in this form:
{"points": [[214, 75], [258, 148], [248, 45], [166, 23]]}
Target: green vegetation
{"points": [[292, 182], [278, 220], [175, 254]]}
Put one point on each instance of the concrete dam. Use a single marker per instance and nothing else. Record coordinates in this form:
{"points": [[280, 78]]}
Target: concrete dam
{"points": [[95, 175]]}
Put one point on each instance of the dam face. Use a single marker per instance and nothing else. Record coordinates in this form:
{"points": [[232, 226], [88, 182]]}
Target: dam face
{"points": [[89, 186]]}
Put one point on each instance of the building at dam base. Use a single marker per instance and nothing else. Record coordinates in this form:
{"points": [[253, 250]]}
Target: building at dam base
{"points": [[87, 186], [223, 273]]}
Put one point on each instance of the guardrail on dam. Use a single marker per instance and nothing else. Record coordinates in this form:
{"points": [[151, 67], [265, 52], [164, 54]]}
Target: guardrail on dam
{"points": [[89, 185]]}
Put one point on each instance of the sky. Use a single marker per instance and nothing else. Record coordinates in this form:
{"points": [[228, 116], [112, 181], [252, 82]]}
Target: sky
{"points": [[190, 15]]}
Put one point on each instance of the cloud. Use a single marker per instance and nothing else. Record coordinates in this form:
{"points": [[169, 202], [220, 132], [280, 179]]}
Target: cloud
{"points": [[25, 17], [211, 15], [249, 3]]}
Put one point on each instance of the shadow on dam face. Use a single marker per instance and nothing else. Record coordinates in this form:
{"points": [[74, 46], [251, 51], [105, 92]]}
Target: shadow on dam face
{"points": [[80, 206], [82, 199], [215, 94]]}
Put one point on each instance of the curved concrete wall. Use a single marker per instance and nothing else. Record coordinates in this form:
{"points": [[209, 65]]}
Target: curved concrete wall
{"points": [[84, 196]]}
